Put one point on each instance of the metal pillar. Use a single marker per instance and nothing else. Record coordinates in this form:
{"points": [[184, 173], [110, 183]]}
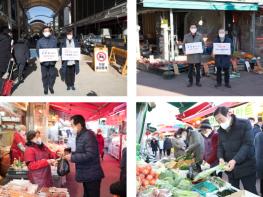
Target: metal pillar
{"points": [[75, 17], [172, 34], [9, 14], [18, 19], [253, 32]]}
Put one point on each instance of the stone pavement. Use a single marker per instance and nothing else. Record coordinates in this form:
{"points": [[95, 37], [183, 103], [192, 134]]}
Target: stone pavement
{"points": [[152, 84], [110, 83]]}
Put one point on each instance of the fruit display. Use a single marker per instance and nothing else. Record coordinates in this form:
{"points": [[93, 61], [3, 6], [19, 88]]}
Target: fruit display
{"points": [[56, 147]]}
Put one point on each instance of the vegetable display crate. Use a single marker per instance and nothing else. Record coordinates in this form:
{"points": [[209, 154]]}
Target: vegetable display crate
{"points": [[204, 188]]}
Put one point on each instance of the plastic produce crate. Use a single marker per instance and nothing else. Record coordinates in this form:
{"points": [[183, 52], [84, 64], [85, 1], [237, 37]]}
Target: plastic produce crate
{"points": [[204, 188]]}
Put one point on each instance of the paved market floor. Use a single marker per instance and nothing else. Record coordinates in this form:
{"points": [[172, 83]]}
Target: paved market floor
{"points": [[112, 174], [152, 84], [110, 83]]}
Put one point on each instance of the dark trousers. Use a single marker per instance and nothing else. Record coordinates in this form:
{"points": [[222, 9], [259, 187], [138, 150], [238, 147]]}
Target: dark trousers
{"points": [[219, 75], [91, 189], [21, 67], [168, 151], [261, 187], [249, 183], [118, 188], [70, 76], [191, 73], [49, 75], [160, 152], [154, 152]]}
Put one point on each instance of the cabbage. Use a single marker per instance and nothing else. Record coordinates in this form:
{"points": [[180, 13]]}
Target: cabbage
{"points": [[185, 185]]}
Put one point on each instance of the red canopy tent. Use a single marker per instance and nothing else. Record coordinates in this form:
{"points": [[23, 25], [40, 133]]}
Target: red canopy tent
{"points": [[209, 111], [193, 110], [91, 111]]}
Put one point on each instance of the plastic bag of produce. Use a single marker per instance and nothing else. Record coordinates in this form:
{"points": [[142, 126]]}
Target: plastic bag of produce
{"points": [[206, 173], [63, 167]]}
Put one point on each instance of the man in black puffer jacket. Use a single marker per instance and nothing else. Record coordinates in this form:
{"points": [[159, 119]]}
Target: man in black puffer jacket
{"points": [[236, 147], [86, 157]]}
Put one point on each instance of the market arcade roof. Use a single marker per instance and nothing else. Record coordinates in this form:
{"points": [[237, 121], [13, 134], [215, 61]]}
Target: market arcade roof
{"points": [[54, 5]]}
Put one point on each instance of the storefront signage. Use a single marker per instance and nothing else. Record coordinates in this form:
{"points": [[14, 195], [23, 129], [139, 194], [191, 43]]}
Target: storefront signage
{"points": [[193, 48], [222, 48], [101, 60], [70, 54], [48, 55]]}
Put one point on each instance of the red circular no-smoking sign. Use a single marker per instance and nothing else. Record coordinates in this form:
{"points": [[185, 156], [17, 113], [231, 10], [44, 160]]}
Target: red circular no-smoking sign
{"points": [[101, 56]]}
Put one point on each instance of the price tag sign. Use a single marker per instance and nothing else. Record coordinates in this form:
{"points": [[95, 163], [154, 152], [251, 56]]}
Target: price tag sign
{"points": [[193, 48], [70, 54], [48, 55], [222, 48]]}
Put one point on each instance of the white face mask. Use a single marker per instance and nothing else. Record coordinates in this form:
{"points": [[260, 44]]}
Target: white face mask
{"points": [[46, 34], [226, 124], [193, 30], [39, 141], [69, 37], [222, 35]]}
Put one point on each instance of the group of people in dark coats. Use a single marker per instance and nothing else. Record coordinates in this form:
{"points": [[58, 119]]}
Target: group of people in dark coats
{"points": [[222, 62], [69, 69], [164, 146], [19, 51]]}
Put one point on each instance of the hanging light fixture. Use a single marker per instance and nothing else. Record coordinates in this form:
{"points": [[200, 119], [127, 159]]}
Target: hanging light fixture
{"points": [[201, 22]]}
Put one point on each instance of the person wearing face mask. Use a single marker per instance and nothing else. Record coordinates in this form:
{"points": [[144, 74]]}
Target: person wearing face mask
{"points": [[255, 126], [86, 158], [18, 145], [194, 60], [211, 141], [236, 148], [39, 159], [70, 68], [196, 144], [223, 62], [48, 69], [178, 143]]}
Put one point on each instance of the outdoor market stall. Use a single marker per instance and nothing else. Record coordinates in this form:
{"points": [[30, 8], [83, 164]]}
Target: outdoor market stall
{"points": [[182, 176], [163, 24], [14, 176]]}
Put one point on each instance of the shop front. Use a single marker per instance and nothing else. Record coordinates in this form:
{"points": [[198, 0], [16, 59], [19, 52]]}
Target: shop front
{"points": [[176, 169], [52, 121], [163, 24]]}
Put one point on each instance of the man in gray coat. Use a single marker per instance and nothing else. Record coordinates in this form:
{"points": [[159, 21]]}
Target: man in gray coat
{"points": [[194, 60]]}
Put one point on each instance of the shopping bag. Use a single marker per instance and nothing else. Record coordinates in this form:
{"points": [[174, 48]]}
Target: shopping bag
{"points": [[8, 83], [8, 86], [63, 167]]}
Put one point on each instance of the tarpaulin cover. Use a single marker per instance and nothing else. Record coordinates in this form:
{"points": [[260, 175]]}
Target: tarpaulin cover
{"points": [[91, 111]]}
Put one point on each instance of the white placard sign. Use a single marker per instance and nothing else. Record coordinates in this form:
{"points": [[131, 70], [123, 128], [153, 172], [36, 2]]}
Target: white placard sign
{"points": [[70, 54], [222, 48], [48, 55], [193, 48]]}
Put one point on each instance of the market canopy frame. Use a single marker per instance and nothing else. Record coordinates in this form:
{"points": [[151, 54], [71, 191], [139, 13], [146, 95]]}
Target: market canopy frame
{"points": [[200, 5], [91, 111], [54, 5]]}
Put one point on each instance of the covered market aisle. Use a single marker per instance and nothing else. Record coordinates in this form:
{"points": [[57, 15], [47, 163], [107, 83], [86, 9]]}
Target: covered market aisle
{"points": [[178, 153], [52, 120]]}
